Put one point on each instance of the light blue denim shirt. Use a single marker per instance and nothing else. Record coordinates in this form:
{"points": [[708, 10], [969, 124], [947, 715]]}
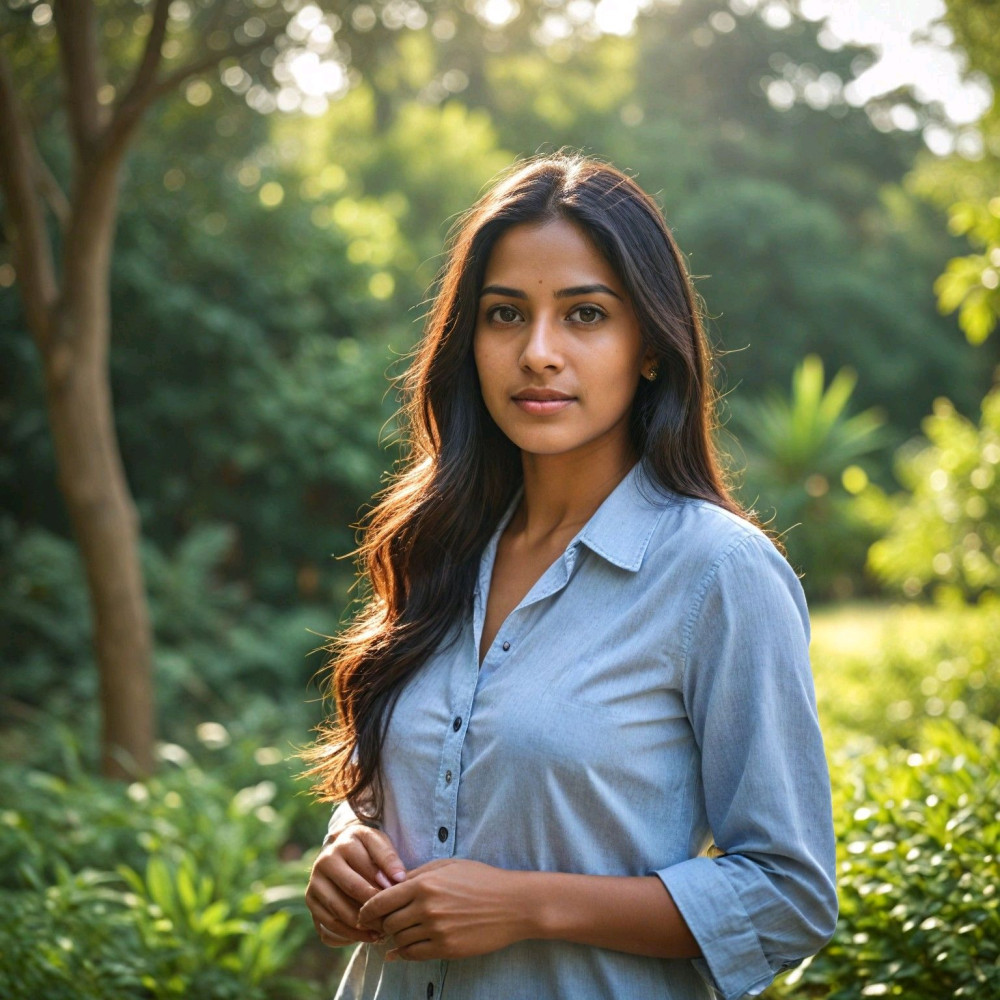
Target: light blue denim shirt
{"points": [[650, 695]]}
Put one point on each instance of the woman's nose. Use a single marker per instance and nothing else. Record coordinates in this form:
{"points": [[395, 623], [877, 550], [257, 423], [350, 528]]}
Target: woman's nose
{"points": [[542, 349]]}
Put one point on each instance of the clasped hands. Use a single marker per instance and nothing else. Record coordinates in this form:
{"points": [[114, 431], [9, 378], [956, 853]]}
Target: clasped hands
{"points": [[448, 908]]}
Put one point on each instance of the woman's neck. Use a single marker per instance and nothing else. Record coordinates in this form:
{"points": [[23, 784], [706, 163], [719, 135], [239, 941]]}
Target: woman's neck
{"points": [[562, 492]]}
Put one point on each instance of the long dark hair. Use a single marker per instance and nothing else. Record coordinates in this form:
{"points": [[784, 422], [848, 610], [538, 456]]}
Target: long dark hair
{"points": [[423, 539]]}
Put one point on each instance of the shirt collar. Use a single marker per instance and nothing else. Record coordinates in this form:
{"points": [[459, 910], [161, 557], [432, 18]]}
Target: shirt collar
{"points": [[618, 531], [622, 526]]}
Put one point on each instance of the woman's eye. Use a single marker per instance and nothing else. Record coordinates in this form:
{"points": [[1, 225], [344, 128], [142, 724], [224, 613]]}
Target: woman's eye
{"points": [[504, 314], [588, 314]]}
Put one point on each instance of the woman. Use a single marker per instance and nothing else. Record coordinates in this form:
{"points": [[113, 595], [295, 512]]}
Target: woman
{"points": [[579, 663]]}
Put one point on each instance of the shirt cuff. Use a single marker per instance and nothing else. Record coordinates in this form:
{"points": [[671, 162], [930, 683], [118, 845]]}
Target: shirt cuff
{"points": [[731, 950]]}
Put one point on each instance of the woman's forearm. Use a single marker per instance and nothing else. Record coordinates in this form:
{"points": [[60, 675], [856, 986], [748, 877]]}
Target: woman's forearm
{"points": [[635, 915], [453, 908]]}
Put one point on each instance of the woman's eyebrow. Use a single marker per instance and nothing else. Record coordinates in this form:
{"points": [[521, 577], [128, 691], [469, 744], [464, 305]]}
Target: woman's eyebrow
{"points": [[562, 293], [568, 293], [510, 293]]}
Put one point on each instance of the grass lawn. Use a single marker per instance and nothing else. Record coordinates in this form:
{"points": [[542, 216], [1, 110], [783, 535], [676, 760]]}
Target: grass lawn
{"points": [[882, 669]]}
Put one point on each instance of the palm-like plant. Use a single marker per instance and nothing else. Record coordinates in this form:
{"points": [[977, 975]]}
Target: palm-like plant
{"points": [[797, 448]]}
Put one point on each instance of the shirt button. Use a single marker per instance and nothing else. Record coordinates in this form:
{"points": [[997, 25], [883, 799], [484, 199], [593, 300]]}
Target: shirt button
{"points": [[447, 777], [457, 724], [430, 991], [505, 646], [442, 834]]}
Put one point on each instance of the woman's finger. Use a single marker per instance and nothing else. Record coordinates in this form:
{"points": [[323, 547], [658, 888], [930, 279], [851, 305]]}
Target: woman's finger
{"points": [[421, 952], [383, 854], [351, 872], [328, 904], [361, 862], [337, 935], [410, 936], [399, 922], [386, 902]]}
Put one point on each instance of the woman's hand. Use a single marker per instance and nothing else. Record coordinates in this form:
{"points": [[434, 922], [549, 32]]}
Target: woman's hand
{"points": [[448, 909], [350, 870]]}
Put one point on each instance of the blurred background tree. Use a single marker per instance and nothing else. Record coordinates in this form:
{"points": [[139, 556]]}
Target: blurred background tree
{"points": [[967, 186], [114, 66]]}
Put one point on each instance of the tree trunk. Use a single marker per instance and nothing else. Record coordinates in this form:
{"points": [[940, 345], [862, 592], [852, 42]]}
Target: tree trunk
{"points": [[70, 320], [92, 478]]}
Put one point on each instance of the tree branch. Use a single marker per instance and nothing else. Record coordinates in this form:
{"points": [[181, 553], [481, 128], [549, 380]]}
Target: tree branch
{"points": [[207, 61], [145, 74], [49, 188], [76, 24], [32, 250], [129, 115]]}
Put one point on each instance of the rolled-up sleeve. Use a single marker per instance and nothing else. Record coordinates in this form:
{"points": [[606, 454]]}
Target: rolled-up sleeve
{"points": [[770, 900]]}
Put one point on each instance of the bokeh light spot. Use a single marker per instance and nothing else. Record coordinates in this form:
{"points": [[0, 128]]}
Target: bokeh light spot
{"points": [[272, 194]]}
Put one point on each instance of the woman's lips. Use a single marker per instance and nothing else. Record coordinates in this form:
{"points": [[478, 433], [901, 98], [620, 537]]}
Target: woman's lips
{"points": [[542, 402]]}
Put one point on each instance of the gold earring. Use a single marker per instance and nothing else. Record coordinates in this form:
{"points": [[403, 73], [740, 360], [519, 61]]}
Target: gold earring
{"points": [[651, 374]]}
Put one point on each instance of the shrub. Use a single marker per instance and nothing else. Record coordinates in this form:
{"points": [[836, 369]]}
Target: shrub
{"points": [[173, 887], [919, 869], [84, 938], [946, 532]]}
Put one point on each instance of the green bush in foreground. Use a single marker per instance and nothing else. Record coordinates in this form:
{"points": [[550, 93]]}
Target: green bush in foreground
{"points": [[919, 873], [174, 887], [83, 938]]}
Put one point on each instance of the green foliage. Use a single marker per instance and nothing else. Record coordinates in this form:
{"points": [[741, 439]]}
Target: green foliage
{"points": [[214, 642], [171, 887], [919, 864], [970, 283], [966, 186], [797, 450], [74, 940], [85, 938], [946, 533], [44, 609], [908, 698], [219, 932]]}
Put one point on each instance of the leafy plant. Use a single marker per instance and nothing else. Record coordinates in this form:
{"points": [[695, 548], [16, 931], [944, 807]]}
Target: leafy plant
{"points": [[83, 937], [215, 926], [966, 185], [186, 885], [918, 870], [946, 533], [71, 940], [797, 449]]}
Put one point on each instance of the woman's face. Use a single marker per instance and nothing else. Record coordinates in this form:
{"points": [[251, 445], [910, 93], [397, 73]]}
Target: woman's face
{"points": [[557, 344]]}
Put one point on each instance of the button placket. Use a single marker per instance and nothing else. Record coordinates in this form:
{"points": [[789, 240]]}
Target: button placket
{"points": [[449, 776]]}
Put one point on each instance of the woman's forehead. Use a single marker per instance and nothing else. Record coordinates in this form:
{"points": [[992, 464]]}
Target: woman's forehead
{"points": [[556, 252]]}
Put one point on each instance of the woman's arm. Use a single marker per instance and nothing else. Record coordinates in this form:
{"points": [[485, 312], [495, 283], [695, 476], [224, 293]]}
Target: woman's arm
{"points": [[453, 908]]}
